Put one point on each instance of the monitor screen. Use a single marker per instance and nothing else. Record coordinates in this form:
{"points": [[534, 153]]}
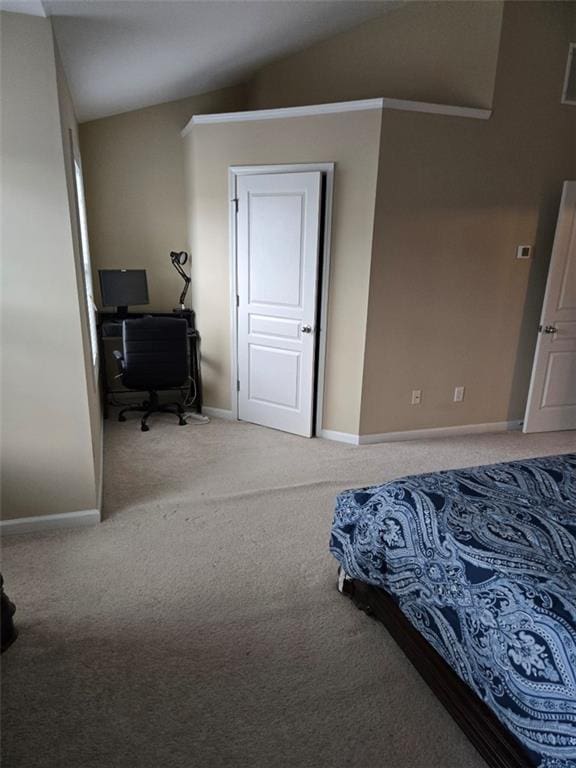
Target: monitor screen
{"points": [[123, 287]]}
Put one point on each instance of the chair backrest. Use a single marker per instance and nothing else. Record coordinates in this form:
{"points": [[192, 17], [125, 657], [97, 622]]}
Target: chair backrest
{"points": [[155, 353]]}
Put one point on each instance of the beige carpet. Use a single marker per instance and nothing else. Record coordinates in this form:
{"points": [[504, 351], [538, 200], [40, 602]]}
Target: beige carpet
{"points": [[199, 624]]}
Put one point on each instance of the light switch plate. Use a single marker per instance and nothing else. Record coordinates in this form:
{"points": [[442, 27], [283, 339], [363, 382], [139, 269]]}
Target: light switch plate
{"points": [[524, 252]]}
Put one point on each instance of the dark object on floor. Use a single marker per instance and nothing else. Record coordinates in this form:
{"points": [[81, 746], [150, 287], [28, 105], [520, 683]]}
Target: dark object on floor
{"points": [[9, 631], [154, 358], [492, 740]]}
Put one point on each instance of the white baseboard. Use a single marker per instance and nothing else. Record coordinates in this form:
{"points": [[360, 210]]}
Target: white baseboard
{"points": [[423, 434], [219, 413], [340, 437], [83, 517], [389, 437]]}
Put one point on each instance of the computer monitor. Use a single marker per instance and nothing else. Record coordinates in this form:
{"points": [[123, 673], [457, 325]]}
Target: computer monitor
{"points": [[122, 288]]}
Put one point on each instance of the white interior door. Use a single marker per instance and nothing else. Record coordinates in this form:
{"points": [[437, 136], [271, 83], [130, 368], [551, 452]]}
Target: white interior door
{"points": [[552, 397], [278, 225]]}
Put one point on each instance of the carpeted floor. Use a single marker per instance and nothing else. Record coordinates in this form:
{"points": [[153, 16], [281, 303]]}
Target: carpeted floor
{"points": [[199, 625]]}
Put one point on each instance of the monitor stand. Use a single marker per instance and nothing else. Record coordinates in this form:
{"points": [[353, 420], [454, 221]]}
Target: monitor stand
{"points": [[122, 312]]}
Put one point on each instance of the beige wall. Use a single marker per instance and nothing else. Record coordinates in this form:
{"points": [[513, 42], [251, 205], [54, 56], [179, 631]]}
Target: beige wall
{"points": [[135, 188], [442, 52], [47, 459], [351, 141], [449, 303]]}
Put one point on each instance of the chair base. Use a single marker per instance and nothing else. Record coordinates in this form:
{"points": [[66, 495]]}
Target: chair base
{"points": [[148, 407]]}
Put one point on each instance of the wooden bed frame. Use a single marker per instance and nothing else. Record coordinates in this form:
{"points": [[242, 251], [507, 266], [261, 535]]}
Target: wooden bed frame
{"points": [[492, 740]]}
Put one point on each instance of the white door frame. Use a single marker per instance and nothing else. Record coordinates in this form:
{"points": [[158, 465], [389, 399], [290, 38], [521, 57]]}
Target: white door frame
{"points": [[242, 170]]}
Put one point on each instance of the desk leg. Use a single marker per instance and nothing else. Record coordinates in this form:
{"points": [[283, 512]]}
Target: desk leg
{"points": [[103, 377], [196, 376]]}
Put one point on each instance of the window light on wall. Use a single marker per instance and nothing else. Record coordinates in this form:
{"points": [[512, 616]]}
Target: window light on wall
{"points": [[569, 90]]}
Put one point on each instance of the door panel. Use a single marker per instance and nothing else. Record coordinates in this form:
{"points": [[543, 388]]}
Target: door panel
{"points": [[559, 389], [568, 290], [274, 376], [274, 327], [277, 262], [552, 397]]}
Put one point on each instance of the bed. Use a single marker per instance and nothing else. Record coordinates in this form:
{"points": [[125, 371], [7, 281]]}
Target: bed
{"points": [[474, 573]]}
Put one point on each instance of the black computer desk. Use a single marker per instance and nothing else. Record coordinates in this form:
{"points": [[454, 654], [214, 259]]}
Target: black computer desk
{"points": [[109, 325]]}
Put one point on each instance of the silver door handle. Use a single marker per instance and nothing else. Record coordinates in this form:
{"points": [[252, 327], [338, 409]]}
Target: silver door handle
{"points": [[306, 329], [550, 329]]}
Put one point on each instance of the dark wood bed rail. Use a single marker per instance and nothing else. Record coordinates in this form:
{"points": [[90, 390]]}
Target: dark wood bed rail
{"points": [[493, 741]]}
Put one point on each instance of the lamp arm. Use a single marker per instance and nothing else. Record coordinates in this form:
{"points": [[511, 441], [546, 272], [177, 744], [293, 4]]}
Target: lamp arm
{"points": [[178, 259], [187, 282], [179, 269]]}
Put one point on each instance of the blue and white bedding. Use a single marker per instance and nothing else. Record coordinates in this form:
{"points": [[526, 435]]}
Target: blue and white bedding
{"points": [[482, 562]]}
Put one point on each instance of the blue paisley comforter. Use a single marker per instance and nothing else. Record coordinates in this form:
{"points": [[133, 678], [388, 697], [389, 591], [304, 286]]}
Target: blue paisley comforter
{"points": [[482, 561]]}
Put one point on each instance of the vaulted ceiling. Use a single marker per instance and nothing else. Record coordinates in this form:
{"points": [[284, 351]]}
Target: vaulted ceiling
{"points": [[126, 54]]}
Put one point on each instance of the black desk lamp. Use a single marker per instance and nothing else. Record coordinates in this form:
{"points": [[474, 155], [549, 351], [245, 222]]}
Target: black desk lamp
{"points": [[178, 259]]}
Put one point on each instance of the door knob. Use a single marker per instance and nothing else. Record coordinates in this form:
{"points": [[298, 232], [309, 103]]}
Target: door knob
{"points": [[306, 329], [550, 329]]}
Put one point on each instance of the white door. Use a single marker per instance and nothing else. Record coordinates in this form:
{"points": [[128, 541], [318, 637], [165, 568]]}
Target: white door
{"points": [[552, 397], [277, 251]]}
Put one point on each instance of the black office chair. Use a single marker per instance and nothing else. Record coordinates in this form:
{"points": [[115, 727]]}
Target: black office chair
{"points": [[154, 357]]}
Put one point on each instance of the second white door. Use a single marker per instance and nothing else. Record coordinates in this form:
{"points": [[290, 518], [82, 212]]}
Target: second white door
{"points": [[552, 396], [278, 226]]}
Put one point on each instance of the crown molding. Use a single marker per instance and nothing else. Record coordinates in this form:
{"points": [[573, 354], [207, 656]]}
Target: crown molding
{"points": [[362, 105]]}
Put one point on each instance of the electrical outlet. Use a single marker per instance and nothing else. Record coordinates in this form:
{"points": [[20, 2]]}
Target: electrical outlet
{"points": [[524, 252], [416, 396], [458, 394]]}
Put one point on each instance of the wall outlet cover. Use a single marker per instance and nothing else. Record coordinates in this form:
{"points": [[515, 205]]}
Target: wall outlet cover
{"points": [[458, 394], [524, 252]]}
